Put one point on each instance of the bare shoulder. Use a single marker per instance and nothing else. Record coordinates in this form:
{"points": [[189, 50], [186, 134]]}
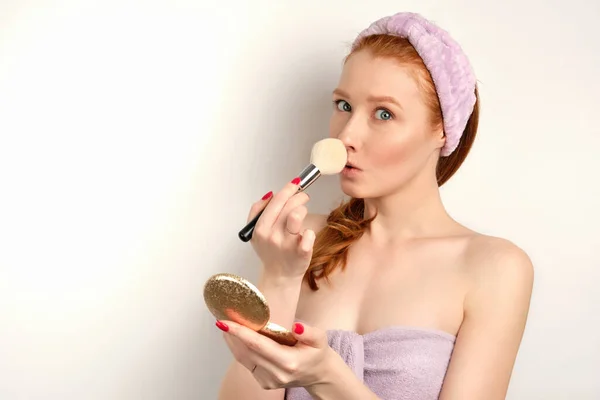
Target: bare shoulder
{"points": [[315, 222], [499, 267], [490, 254]]}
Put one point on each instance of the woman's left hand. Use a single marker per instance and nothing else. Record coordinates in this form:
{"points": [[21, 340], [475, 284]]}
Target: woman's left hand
{"points": [[277, 366]]}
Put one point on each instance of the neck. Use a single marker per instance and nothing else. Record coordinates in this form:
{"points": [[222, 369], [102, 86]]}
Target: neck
{"points": [[414, 211]]}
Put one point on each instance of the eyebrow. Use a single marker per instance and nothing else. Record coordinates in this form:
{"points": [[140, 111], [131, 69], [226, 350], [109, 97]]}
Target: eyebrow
{"points": [[341, 93], [373, 99]]}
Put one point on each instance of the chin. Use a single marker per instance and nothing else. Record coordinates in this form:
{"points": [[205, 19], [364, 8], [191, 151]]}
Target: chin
{"points": [[361, 190], [352, 189]]}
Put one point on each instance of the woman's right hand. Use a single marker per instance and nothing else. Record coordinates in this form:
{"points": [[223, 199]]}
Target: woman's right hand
{"points": [[280, 241]]}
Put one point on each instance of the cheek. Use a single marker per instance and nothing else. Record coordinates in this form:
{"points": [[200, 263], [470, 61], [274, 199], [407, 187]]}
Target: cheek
{"points": [[398, 152]]}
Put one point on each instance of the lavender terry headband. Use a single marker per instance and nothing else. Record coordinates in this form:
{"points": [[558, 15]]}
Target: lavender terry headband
{"points": [[448, 65]]}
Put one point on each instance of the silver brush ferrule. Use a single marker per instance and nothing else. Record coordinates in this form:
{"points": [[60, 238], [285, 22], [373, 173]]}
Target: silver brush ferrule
{"points": [[308, 175]]}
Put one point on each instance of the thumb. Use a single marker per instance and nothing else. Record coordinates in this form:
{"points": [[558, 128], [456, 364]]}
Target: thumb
{"points": [[310, 336]]}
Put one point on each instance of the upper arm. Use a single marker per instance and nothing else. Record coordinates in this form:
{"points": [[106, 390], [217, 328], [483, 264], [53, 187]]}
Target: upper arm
{"points": [[496, 310]]}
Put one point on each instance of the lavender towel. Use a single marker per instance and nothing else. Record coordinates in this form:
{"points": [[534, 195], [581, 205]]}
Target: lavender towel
{"points": [[396, 363]]}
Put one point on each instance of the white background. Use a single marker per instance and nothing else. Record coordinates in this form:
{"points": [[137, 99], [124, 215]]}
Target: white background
{"points": [[135, 136]]}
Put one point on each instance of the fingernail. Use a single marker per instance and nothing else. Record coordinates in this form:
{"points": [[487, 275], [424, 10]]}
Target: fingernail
{"points": [[296, 181], [222, 326], [267, 196], [298, 328]]}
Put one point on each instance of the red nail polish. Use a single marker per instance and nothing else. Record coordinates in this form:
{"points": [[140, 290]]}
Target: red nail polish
{"points": [[222, 326], [298, 328], [267, 196], [296, 181]]}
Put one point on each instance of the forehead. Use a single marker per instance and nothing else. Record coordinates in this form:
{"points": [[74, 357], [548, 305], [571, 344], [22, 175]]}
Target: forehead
{"points": [[364, 75]]}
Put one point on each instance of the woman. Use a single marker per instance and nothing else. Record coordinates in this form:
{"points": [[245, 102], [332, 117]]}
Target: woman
{"points": [[397, 300]]}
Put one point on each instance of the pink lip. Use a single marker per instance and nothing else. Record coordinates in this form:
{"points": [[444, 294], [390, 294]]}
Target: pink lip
{"points": [[350, 172]]}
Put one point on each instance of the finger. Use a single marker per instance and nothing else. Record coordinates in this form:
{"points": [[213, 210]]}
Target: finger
{"points": [[276, 204], [296, 208], [295, 219], [259, 206], [306, 245], [299, 200], [241, 353], [310, 336], [263, 347]]}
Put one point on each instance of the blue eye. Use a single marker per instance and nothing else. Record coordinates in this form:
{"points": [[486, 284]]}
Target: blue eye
{"points": [[383, 114], [343, 105]]}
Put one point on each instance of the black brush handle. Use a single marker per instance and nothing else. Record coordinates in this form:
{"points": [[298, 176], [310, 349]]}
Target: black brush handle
{"points": [[246, 233]]}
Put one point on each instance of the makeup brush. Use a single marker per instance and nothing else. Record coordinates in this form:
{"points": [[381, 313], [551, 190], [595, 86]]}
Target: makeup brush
{"points": [[328, 157]]}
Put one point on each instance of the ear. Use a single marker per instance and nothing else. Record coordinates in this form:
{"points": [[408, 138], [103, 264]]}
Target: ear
{"points": [[439, 138]]}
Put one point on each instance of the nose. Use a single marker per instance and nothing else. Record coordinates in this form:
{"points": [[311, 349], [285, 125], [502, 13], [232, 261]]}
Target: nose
{"points": [[350, 133]]}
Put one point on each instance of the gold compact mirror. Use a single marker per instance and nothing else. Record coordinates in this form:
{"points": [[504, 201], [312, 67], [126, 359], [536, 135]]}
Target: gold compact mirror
{"points": [[233, 298]]}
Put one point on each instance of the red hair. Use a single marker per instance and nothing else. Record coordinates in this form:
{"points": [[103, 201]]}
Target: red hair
{"points": [[346, 223]]}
